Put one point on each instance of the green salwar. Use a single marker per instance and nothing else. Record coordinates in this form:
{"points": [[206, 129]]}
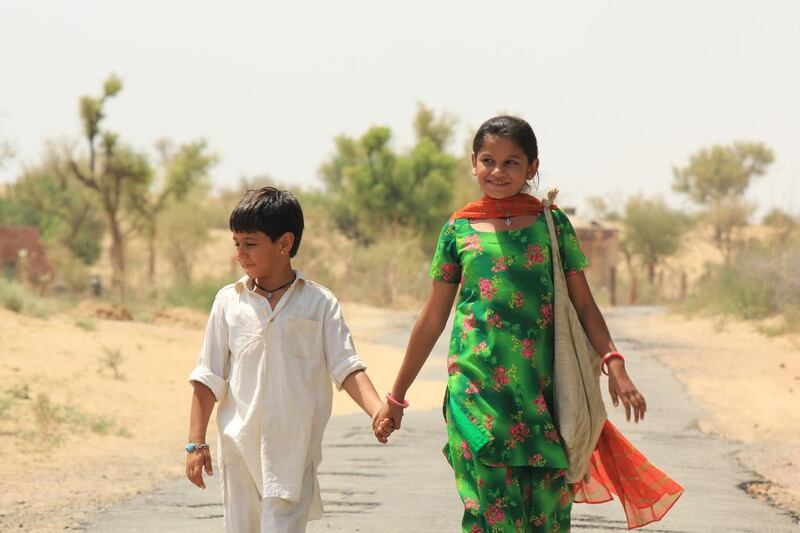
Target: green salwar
{"points": [[508, 499]]}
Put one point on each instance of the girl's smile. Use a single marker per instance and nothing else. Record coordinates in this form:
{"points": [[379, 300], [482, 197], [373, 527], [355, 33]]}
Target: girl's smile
{"points": [[502, 168]]}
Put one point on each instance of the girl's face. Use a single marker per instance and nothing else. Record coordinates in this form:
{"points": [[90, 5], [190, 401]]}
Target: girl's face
{"points": [[259, 256], [502, 168]]}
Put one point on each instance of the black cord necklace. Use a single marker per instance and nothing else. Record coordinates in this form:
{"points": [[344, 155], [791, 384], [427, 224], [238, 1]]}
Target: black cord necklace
{"points": [[270, 292]]}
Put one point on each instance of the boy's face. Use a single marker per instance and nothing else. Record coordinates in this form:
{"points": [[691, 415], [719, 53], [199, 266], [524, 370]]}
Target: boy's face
{"points": [[259, 256]]}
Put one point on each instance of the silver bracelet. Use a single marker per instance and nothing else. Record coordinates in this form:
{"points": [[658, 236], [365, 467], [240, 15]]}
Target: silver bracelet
{"points": [[196, 446]]}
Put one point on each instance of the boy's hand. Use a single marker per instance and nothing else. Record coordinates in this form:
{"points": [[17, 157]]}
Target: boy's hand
{"points": [[195, 462], [384, 429], [387, 411]]}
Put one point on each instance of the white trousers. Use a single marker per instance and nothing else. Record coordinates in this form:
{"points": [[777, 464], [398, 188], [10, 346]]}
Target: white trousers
{"points": [[246, 512]]}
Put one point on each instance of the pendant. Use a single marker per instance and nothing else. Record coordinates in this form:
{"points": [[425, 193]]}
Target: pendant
{"points": [[269, 296], [508, 221]]}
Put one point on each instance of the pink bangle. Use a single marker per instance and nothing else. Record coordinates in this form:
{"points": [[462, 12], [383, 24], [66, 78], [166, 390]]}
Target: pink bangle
{"points": [[391, 399], [606, 358]]}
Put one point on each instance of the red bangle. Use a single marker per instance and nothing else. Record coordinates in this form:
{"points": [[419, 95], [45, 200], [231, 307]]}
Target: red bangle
{"points": [[391, 399], [606, 358]]}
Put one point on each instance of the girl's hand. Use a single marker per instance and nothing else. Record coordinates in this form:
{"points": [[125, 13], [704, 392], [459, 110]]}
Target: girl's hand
{"points": [[195, 462], [620, 387]]}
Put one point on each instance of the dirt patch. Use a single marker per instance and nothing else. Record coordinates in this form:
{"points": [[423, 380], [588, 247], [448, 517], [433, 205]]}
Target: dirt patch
{"points": [[101, 310], [747, 386], [180, 316], [95, 411], [766, 491]]}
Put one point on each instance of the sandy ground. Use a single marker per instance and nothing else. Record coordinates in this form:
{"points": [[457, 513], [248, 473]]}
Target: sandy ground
{"points": [[749, 388], [75, 438]]}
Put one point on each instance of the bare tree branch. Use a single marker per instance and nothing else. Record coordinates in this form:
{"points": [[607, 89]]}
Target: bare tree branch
{"points": [[86, 180]]}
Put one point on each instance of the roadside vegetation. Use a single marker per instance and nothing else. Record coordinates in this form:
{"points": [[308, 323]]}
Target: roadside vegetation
{"points": [[140, 229]]}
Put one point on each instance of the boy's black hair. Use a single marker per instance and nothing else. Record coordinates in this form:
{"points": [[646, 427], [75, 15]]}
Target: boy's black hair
{"points": [[270, 211], [514, 128]]}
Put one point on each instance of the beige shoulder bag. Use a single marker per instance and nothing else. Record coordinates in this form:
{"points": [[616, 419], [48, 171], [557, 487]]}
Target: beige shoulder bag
{"points": [[579, 410]]}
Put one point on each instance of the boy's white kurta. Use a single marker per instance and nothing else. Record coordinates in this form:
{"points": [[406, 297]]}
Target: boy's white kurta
{"points": [[271, 372]]}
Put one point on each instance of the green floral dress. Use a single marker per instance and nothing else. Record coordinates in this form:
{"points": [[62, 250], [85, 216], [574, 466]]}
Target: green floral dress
{"points": [[500, 388]]}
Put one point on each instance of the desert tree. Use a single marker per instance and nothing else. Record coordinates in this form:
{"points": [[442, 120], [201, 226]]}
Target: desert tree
{"points": [[653, 231], [181, 171], [45, 196], [375, 189], [716, 178], [111, 170]]}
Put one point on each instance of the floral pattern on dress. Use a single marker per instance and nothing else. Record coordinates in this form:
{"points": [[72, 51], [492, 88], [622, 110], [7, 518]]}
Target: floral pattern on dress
{"points": [[488, 290], [534, 255], [502, 263], [500, 360], [528, 348], [494, 319], [517, 300]]}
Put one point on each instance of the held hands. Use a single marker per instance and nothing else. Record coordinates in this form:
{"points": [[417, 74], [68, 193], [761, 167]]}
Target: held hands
{"points": [[384, 429], [386, 420], [621, 387]]}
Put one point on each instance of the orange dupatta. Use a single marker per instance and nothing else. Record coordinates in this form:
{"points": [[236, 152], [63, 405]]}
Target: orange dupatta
{"points": [[616, 466], [513, 206]]}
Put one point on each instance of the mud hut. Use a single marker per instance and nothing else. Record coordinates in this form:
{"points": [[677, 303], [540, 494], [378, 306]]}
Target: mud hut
{"points": [[22, 255], [599, 241]]}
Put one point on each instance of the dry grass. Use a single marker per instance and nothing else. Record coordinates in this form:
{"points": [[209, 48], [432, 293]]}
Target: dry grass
{"points": [[391, 273]]}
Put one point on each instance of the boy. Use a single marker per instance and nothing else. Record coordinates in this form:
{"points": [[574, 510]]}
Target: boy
{"points": [[274, 342]]}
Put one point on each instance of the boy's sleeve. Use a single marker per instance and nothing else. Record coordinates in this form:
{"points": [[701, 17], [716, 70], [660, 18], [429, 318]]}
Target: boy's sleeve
{"points": [[572, 257], [212, 362], [340, 353], [445, 265]]}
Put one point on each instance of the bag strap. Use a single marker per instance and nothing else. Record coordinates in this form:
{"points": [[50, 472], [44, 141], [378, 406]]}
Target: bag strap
{"points": [[559, 279]]}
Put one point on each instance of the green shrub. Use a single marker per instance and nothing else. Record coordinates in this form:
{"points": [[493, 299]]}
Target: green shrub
{"points": [[24, 300], [72, 270], [52, 417], [12, 296]]}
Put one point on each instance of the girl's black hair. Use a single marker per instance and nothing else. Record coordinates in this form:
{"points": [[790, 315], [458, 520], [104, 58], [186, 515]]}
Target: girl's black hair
{"points": [[270, 211], [514, 128]]}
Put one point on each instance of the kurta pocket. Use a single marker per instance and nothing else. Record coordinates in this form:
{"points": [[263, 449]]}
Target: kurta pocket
{"points": [[302, 336]]}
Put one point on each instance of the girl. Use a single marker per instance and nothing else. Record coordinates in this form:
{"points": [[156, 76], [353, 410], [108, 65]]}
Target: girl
{"points": [[502, 442]]}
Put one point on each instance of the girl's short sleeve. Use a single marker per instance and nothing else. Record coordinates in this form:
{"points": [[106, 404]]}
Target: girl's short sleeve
{"points": [[572, 257], [446, 266]]}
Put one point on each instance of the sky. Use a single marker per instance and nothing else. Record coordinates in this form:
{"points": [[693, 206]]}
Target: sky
{"points": [[618, 92]]}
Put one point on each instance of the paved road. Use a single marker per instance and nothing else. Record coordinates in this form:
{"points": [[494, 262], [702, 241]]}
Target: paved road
{"points": [[408, 486]]}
